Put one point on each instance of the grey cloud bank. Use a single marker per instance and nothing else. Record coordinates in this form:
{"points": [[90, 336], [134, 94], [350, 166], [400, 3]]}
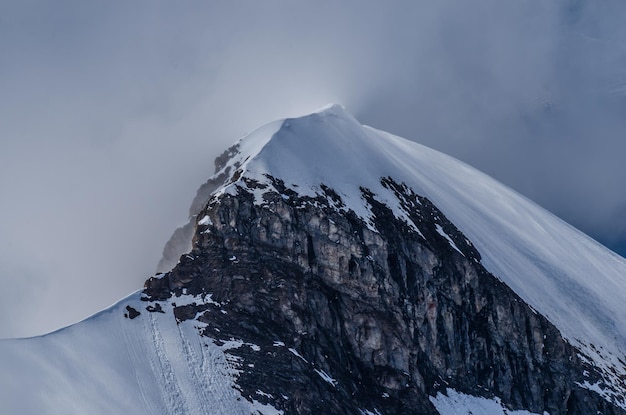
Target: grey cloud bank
{"points": [[111, 115]]}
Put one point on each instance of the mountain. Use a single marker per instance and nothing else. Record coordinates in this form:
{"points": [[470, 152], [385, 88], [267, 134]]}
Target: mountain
{"points": [[332, 268]]}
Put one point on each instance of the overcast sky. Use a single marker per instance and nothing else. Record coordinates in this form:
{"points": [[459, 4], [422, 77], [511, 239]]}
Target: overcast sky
{"points": [[111, 114]]}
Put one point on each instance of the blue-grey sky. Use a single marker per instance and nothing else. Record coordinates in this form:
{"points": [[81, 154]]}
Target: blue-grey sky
{"points": [[111, 114]]}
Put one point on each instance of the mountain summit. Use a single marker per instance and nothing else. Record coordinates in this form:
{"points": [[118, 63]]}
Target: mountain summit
{"points": [[332, 268]]}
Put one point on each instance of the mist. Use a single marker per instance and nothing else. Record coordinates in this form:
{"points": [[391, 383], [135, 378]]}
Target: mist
{"points": [[111, 115]]}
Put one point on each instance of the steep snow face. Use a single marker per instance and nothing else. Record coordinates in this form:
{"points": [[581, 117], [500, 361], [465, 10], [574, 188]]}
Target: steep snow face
{"points": [[454, 403], [574, 281], [111, 364]]}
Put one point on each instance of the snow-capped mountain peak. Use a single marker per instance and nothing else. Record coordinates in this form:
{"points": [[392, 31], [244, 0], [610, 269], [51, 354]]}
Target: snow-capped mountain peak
{"points": [[329, 266], [578, 284], [562, 273]]}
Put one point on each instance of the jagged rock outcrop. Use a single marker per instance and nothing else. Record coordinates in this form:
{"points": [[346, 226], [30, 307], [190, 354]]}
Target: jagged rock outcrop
{"points": [[180, 241], [336, 315]]}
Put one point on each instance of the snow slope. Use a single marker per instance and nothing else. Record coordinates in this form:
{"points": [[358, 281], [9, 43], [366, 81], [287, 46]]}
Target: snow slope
{"points": [[109, 364], [455, 403]]}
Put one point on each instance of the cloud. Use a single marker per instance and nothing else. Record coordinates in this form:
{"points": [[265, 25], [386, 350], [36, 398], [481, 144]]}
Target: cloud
{"points": [[111, 115], [532, 93]]}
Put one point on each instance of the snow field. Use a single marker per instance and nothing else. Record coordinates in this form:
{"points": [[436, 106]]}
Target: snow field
{"points": [[110, 364]]}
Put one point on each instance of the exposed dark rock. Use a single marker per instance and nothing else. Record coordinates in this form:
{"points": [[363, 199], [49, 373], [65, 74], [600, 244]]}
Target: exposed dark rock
{"points": [[131, 312], [339, 317], [156, 308]]}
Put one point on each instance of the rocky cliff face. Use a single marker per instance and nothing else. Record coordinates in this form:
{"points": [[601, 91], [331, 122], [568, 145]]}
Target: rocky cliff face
{"points": [[335, 315]]}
